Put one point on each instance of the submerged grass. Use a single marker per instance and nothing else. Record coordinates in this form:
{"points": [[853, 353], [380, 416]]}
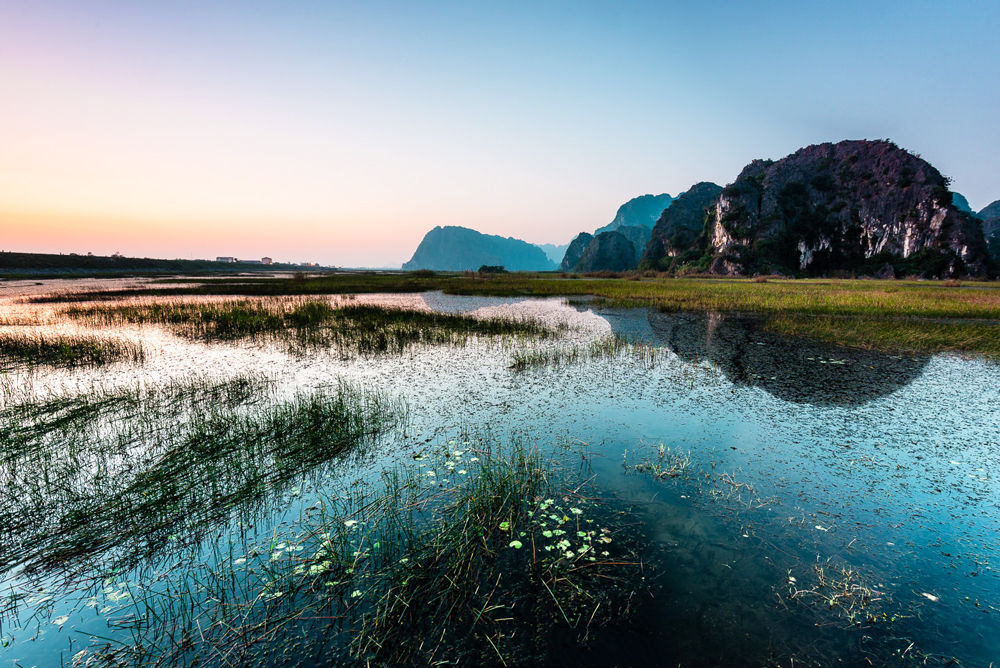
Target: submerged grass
{"points": [[310, 322], [469, 556], [643, 353], [110, 479], [27, 349]]}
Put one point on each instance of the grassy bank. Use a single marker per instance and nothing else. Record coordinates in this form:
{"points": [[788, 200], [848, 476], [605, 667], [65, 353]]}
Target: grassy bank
{"points": [[817, 296], [894, 334], [921, 316]]}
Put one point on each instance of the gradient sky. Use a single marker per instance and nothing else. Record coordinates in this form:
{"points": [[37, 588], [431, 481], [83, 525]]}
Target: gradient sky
{"points": [[341, 133]]}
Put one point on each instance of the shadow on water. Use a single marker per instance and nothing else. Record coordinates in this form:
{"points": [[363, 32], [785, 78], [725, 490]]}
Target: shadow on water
{"points": [[790, 368]]}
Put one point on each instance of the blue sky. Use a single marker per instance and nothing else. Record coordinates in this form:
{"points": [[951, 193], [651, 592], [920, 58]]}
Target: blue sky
{"points": [[341, 132]]}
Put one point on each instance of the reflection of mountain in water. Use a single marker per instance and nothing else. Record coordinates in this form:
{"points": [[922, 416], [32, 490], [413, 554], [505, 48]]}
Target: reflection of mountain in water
{"points": [[791, 368]]}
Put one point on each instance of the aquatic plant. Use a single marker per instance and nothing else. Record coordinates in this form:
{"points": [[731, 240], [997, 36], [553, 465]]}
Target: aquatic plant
{"points": [[664, 462]]}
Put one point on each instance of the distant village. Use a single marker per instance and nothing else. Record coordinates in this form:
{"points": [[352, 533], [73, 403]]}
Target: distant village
{"points": [[263, 260]]}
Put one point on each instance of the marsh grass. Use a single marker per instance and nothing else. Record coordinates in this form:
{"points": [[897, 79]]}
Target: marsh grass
{"points": [[471, 555], [817, 296], [310, 323], [108, 480], [867, 299], [37, 348]]}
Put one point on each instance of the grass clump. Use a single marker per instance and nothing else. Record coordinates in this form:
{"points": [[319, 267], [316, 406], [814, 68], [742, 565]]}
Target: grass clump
{"points": [[31, 349], [232, 319], [311, 323], [645, 354], [665, 462]]}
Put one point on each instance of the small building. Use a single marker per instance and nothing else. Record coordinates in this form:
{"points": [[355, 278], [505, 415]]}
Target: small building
{"points": [[225, 259], [266, 260]]}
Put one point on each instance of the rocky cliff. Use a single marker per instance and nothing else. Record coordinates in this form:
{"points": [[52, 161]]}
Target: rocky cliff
{"points": [[680, 233], [851, 206], [642, 210], [608, 251], [459, 249], [574, 251]]}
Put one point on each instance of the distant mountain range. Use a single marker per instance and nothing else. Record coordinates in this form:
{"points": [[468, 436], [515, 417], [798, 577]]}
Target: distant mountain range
{"points": [[618, 245], [553, 252], [459, 249], [854, 207]]}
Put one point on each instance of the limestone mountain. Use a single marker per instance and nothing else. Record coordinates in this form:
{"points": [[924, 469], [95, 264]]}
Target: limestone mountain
{"points": [[643, 210], [574, 251], [991, 211], [991, 229], [608, 251], [680, 234], [638, 235], [459, 248], [962, 204], [852, 206]]}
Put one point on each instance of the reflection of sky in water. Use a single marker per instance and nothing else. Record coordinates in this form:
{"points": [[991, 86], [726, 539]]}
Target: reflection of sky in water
{"points": [[901, 476]]}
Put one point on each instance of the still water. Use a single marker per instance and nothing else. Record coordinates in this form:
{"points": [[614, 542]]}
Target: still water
{"points": [[840, 507]]}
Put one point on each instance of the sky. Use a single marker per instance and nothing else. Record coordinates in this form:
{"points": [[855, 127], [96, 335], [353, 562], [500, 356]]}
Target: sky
{"points": [[340, 133]]}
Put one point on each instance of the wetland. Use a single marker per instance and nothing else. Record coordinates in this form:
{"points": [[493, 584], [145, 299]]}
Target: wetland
{"points": [[416, 470]]}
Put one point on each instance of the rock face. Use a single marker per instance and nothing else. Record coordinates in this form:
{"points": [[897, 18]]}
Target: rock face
{"points": [[991, 229], [851, 206], [459, 249], [608, 251], [574, 251], [991, 211], [643, 210], [680, 233], [638, 235]]}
